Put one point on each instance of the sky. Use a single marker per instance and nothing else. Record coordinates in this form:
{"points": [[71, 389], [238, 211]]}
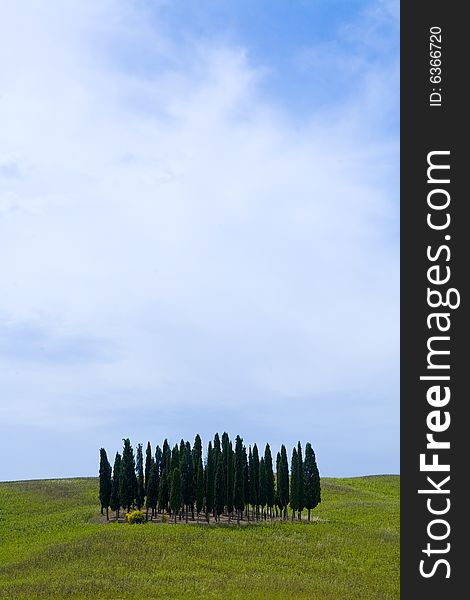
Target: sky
{"points": [[198, 229]]}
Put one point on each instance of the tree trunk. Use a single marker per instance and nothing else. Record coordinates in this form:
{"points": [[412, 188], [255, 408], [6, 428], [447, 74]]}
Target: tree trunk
{"points": [[238, 516], [309, 515], [101, 509], [107, 514]]}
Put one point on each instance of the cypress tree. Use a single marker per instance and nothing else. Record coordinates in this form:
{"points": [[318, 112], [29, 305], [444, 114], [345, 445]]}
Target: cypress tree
{"points": [[105, 482], [175, 493], [114, 501], [251, 479], [191, 479], [152, 488], [210, 481], [294, 483], [230, 480], [187, 479], [197, 451], [217, 447], [268, 461], [199, 487], [282, 481], [175, 458], [300, 482], [246, 481], [255, 483], [128, 487], [139, 469], [158, 458], [239, 478], [278, 492], [312, 480], [225, 461], [219, 490], [263, 480], [148, 464], [164, 488]]}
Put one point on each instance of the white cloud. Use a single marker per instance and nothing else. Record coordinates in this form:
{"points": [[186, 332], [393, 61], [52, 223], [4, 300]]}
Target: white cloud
{"points": [[174, 214]]}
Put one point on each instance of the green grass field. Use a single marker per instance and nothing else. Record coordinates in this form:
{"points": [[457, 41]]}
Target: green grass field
{"points": [[52, 545]]}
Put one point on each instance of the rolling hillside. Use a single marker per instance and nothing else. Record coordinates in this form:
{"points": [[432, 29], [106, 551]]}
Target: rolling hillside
{"points": [[54, 544]]}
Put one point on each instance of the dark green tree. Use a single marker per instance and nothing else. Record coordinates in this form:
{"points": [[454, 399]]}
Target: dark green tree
{"points": [[225, 460], [254, 490], [239, 478], [105, 482], [148, 464], [282, 481], [210, 481], [128, 487], [263, 480], [278, 490], [175, 458], [268, 461], [152, 488], [219, 490], [251, 479], [187, 479], [158, 457], [197, 451], [294, 483], [164, 487], [175, 492], [300, 482], [199, 487], [114, 501], [139, 469], [311, 479], [217, 446], [246, 481], [229, 488]]}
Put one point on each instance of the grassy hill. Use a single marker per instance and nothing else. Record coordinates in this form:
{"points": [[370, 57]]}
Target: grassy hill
{"points": [[54, 545]]}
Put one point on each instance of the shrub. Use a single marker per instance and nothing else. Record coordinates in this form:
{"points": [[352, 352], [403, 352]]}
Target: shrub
{"points": [[136, 516]]}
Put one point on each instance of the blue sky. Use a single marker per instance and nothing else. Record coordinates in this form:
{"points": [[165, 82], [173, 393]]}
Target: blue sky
{"points": [[198, 229]]}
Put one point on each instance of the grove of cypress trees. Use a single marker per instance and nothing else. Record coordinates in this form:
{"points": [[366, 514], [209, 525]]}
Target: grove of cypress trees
{"points": [[294, 483], [239, 478], [228, 480], [105, 482], [139, 469], [175, 492], [312, 480], [148, 464], [114, 501], [300, 482], [268, 462], [128, 483]]}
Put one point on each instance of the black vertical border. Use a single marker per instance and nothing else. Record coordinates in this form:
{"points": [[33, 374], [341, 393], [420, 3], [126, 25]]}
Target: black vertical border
{"points": [[426, 128]]}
